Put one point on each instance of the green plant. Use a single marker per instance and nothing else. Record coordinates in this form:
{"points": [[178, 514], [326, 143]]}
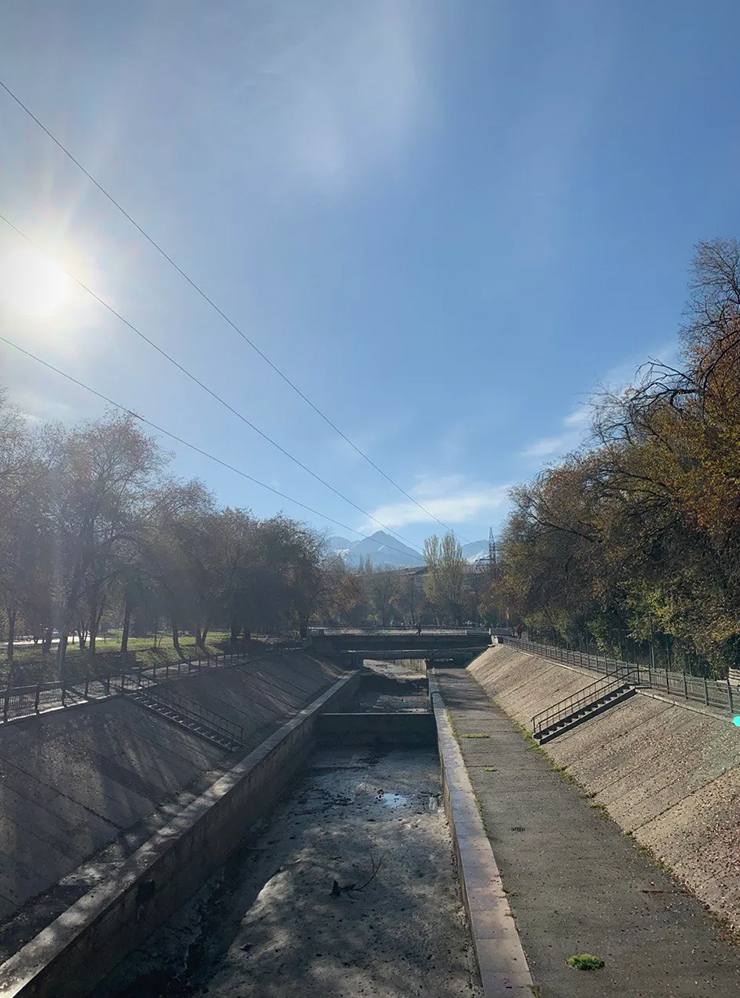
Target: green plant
{"points": [[475, 734], [585, 961], [529, 738], [567, 776], [489, 769]]}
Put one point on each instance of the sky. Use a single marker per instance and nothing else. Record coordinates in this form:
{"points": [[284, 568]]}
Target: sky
{"points": [[447, 223]]}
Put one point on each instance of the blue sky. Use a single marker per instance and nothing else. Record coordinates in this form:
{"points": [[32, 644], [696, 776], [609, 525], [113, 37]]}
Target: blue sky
{"points": [[446, 221]]}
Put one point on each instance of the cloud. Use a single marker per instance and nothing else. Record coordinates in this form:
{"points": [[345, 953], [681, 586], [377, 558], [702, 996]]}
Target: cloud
{"points": [[622, 375], [578, 418], [575, 426], [550, 445], [453, 499]]}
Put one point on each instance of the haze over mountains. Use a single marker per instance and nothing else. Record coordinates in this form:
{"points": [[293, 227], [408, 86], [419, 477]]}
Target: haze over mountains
{"points": [[387, 550]]}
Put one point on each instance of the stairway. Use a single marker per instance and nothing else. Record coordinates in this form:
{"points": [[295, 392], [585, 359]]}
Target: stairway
{"points": [[189, 714], [594, 699]]}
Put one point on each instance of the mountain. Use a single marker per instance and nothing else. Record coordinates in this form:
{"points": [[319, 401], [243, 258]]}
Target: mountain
{"points": [[382, 548], [338, 545], [475, 551], [386, 550]]}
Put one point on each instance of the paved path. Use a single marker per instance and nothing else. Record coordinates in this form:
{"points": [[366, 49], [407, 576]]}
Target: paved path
{"points": [[575, 883]]}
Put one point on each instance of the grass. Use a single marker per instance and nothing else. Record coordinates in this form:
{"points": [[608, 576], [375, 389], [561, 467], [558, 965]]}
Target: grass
{"points": [[527, 736], [585, 961], [489, 769], [599, 808], [31, 666], [566, 774], [647, 853], [475, 734]]}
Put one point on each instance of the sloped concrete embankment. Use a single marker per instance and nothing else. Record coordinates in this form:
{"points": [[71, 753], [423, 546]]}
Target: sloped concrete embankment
{"points": [[74, 781], [667, 773], [71, 954]]}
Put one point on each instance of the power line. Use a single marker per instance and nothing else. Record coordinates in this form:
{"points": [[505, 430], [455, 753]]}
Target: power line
{"points": [[208, 390], [223, 315], [186, 443]]}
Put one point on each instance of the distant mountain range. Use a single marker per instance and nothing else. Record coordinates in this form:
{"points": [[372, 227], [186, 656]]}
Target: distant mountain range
{"points": [[387, 550]]}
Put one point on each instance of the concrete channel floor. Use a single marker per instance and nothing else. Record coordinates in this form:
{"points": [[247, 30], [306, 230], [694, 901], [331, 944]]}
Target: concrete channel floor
{"points": [[575, 883], [268, 924]]}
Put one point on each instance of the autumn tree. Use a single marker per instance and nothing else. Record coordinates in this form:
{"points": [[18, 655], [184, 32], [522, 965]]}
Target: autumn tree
{"points": [[444, 581]]}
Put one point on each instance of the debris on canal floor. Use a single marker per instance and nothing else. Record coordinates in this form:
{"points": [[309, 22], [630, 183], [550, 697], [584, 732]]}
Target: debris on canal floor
{"points": [[350, 890]]}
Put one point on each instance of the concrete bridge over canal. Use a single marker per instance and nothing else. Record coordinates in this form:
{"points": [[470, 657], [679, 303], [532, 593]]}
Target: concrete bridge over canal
{"points": [[349, 647]]}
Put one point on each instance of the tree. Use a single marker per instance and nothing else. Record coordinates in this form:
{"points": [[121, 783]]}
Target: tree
{"points": [[100, 476], [640, 534], [445, 577]]}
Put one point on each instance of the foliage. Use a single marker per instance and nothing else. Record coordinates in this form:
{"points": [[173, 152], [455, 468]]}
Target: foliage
{"points": [[637, 537], [585, 961], [444, 587], [94, 535]]}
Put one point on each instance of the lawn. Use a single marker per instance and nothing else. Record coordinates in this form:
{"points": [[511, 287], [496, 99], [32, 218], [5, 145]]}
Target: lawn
{"points": [[31, 666]]}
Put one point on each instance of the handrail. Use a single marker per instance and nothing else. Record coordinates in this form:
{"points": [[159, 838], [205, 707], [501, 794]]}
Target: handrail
{"points": [[194, 711], [17, 702], [329, 631], [711, 692], [572, 704]]}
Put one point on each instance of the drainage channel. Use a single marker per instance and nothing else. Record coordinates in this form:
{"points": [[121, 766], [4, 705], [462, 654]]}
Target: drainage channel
{"points": [[349, 889]]}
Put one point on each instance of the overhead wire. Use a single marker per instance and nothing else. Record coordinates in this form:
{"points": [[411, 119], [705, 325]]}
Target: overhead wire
{"points": [[196, 287], [208, 390], [186, 443]]}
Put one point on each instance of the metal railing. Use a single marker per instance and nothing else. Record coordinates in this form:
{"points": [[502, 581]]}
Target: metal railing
{"points": [[217, 724], [23, 701], [720, 693], [380, 629], [578, 701]]}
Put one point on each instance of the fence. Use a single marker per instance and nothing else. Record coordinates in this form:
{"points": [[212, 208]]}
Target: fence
{"points": [[721, 693], [328, 630], [21, 701]]}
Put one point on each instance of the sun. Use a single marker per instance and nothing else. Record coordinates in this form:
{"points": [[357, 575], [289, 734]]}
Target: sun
{"points": [[32, 284]]}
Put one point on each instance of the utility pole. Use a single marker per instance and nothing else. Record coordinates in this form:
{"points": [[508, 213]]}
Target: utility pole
{"points": [[492, 554]]}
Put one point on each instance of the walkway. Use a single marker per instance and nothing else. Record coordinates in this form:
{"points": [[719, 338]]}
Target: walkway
{"points": [[575, 883]]}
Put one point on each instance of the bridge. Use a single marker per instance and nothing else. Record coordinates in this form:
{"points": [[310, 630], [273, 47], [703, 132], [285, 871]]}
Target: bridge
{"points": [[350, 646]]}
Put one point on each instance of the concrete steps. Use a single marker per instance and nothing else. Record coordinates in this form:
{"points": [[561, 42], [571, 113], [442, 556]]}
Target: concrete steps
{"points": [[217, 730], [595, 704]]}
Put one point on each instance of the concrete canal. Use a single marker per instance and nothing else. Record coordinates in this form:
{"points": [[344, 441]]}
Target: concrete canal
{"points": [[349, 888]]}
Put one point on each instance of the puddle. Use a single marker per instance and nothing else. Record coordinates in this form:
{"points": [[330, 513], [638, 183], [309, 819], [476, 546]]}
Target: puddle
{"points": [[392, 800]]}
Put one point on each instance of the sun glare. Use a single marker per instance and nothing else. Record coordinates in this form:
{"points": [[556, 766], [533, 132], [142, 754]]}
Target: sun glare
{"points": [[32, 284]]}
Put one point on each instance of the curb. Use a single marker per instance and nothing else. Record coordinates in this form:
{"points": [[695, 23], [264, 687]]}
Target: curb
{"points": [[501, 960]]}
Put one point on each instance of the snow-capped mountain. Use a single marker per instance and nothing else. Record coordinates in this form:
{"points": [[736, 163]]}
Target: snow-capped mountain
{"points": [[475, 551], [382, 548], [387, 550]]}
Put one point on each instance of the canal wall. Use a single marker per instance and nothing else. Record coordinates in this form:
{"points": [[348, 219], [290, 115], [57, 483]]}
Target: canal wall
{"points": [[108, 773], [70, 955], [668, 772]]}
